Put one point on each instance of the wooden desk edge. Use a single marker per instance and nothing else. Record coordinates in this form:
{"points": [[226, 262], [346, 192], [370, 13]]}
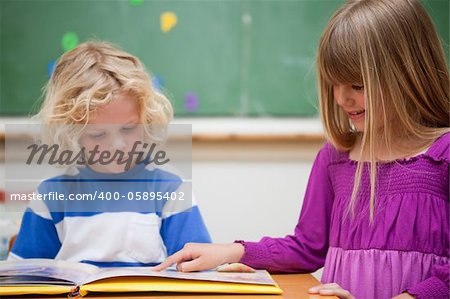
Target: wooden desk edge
{"points": [[258, 137], [209, 138]]}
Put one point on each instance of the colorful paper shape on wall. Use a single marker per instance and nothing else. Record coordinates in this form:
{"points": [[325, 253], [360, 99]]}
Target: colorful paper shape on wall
{"points": [[191, 102], [69, 41], [158, 83], [51, 68], [168, 21], [136, 2]]}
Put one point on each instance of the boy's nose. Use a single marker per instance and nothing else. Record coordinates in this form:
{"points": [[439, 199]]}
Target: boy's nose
{"points": [[118, 143]]}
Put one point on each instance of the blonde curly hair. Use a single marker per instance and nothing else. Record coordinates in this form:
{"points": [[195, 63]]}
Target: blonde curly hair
{"points": [[87, 78]]}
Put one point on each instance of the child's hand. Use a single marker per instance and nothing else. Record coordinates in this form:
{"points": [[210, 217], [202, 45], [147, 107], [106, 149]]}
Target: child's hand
{"points": [[331, 289], [403, 296], [197, 257]]}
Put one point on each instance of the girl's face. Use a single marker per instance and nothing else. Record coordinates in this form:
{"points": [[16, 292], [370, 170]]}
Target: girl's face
{"points": [[113, 128], [351, 99]]}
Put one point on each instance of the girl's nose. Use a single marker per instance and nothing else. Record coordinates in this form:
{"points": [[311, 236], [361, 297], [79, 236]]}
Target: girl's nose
{"points": [[343, 95]]}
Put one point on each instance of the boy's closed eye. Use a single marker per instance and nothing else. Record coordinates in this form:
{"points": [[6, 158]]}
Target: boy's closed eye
{"points": [[97, 135], [101, 134], [129, 128]]}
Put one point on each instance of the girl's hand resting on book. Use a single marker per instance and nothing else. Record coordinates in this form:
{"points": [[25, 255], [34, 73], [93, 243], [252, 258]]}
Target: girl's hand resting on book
{"points": [[331, 289], [198, 257], [403, 296]]}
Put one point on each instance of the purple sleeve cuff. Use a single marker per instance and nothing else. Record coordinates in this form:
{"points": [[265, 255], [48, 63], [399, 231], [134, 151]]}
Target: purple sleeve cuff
{"points": [[256, 255], [431, 288]]}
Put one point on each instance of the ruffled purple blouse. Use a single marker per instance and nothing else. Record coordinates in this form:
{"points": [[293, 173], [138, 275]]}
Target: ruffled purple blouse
{"points": [[405, 248]]}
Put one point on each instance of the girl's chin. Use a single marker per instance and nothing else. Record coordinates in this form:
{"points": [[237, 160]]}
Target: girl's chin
{"points": [[358, 125]]}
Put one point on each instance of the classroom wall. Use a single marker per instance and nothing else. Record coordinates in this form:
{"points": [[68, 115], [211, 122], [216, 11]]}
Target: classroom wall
{"points": [[246, 200], [216, 58], [212, 58], [249, 190]]}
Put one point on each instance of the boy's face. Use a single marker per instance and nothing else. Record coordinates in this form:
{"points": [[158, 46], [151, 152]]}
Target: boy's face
{"points": [[112, 128], [351, 99]]}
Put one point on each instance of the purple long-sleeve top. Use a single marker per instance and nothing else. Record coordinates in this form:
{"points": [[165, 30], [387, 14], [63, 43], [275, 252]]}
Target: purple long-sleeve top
{"points": [[404, 248]]}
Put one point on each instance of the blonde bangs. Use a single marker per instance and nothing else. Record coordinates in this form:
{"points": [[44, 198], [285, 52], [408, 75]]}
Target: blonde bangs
{"points": [[338, 62], [339, 55]]}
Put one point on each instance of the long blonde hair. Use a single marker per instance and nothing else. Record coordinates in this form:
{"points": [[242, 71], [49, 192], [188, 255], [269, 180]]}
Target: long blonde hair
{"points": [[87, 78], [391, 48]]}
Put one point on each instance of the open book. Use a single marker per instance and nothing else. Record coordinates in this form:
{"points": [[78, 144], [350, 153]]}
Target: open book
{"points": [[51, 277]]}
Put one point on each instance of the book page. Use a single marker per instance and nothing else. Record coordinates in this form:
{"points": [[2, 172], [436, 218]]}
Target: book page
{"points": [[44, 269], [259, 277], [32, 280]]}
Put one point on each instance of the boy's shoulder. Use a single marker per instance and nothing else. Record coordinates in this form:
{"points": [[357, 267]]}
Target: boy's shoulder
{"points": [[162, 179], [158, 173], [70, 174]]}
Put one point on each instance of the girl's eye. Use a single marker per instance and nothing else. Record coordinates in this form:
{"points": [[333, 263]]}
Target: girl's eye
{"points": [[358, 87], [129, 128]]}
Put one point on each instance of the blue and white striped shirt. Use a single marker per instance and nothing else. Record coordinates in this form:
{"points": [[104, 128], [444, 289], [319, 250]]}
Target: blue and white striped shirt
{"points": [[122, 232]]}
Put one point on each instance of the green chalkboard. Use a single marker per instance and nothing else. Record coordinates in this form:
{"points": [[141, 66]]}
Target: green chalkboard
{"points": [[222, 58]]}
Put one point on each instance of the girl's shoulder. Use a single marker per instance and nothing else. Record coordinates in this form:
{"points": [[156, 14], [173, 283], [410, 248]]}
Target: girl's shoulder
{"points": [[440, 149], [329, 154]]}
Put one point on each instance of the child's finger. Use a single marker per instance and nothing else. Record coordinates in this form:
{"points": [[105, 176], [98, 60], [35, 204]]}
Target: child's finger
{"points": [[193, 265], [341, 293], [330, 286], [163, 265], [331, 289], [325, 286], [173, 259], [314, 290]]}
